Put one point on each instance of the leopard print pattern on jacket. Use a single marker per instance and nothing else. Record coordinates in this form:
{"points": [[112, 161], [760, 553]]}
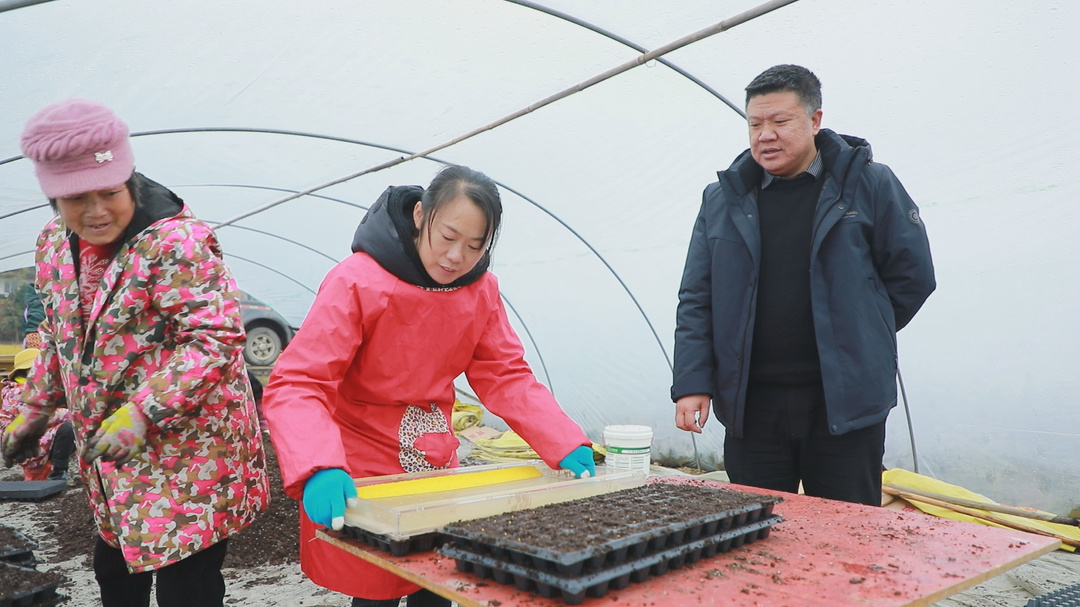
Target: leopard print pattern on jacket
{"points": [[415, 423]]}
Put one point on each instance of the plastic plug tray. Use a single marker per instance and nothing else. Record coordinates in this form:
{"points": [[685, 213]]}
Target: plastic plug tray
{"points": [[574, 589], [37, 589], [632, 523], [395, 521], [30, 490], [396, 547], [16, 548], [1062, 597]]}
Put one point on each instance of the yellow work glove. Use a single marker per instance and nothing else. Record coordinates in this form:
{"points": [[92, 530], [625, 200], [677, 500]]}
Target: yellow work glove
{"points": [[121, 436], [22, 438]]}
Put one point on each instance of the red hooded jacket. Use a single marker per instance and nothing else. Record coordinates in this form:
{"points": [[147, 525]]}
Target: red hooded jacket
{"points": [[367, 385]]}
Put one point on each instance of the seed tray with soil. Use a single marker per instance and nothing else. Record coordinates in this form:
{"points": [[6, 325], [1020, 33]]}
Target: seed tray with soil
{"points": [[574, 589], [25, 587], [586, 535], [16, 548], [396, 547]]}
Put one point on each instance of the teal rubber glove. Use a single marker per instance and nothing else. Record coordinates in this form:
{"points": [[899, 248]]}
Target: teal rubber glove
{"points": [[580, 462], [325, 495]]}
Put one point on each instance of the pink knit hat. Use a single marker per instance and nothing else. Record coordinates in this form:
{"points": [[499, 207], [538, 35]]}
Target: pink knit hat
{"points": [[77, 146]]}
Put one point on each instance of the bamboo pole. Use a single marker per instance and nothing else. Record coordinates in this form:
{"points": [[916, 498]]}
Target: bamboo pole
{"points": [[959, 501], [724, 25], [979, 514]]}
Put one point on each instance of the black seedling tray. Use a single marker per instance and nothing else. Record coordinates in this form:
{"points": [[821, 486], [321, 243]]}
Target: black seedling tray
{"points": [[40, 593], [396, 547], [619, 539], [1063, 597], [16, 548], [30, 490], [574, 589]]}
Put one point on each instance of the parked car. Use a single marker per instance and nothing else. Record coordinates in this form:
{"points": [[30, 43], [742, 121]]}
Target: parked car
{"points": [[267, 331]]}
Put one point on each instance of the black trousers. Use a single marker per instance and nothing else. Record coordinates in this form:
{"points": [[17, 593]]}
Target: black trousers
{"points": [[62, 448], [195, 581], [420, 598], [786, 440]]}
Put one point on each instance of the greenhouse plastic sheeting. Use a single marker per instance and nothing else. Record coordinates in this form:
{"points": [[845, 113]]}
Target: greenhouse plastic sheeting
{"points": [[236, 105]]}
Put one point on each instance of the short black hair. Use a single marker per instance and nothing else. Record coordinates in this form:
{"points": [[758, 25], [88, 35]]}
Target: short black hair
{"points": [[457, 180], [787, 77]]}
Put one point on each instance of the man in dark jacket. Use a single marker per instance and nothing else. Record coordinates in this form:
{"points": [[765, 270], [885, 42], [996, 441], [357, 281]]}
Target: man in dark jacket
{"points": [[806, 258]]}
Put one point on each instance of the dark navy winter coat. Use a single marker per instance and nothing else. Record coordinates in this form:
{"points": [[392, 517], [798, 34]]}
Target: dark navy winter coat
{"points": [[870, 269]]}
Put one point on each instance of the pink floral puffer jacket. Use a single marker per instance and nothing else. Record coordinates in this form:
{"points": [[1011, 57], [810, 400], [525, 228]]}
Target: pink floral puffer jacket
{"points": [[164, 333]]}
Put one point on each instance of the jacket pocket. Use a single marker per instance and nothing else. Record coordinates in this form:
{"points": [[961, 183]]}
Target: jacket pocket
{"points": [[426, 442]]}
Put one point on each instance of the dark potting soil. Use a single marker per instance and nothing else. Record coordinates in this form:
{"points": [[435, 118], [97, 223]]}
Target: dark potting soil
{"points": [[272, 539], [589, 546], [25, 586], [584, 524], [14, 546]]}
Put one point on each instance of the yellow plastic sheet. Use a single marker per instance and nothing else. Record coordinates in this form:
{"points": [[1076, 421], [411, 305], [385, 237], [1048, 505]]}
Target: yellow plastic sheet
{"points": [[508, 447], [910, 479], [465, 416], [434, 484]]}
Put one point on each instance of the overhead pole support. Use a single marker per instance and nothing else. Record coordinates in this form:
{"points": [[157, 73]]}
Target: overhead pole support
{"points": [[724, 25], [637, 47], [10, 5]]}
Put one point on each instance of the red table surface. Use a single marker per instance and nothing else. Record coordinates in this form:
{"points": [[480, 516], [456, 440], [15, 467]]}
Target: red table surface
{"points": [[823, 553]]}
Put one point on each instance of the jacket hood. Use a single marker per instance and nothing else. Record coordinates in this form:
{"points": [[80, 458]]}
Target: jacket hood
{"points": [[156, 202], [838, 153], [388, 234]]}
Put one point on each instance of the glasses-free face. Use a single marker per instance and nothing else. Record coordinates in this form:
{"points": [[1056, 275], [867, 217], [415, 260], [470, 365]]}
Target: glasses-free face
{"points": [[782, 133], [453, 243], [98, 217]]}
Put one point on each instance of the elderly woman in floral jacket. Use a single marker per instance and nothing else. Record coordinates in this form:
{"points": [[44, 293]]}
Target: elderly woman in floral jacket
{"points": [[142, 342]]}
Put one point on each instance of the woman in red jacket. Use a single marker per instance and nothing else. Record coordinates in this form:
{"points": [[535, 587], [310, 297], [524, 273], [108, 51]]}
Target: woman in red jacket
{"points": [[366, 387]]}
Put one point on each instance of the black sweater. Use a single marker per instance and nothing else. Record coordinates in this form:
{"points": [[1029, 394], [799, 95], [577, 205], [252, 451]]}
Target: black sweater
{"points": [[785, 348]]}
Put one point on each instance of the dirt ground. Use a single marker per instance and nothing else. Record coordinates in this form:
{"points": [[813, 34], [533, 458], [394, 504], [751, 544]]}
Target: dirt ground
{"points": [[262, 568]]}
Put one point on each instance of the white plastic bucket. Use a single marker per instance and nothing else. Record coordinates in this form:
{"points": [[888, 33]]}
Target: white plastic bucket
{"points": [[628, 448]]}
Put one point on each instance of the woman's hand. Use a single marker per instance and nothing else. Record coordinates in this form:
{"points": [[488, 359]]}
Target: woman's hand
{"points": [[326, 494], [580, 462], [22, 438], [121, 436]]}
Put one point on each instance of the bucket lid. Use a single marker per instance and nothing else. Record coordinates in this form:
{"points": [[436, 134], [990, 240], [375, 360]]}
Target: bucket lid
{"points": [[627, 431]]}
